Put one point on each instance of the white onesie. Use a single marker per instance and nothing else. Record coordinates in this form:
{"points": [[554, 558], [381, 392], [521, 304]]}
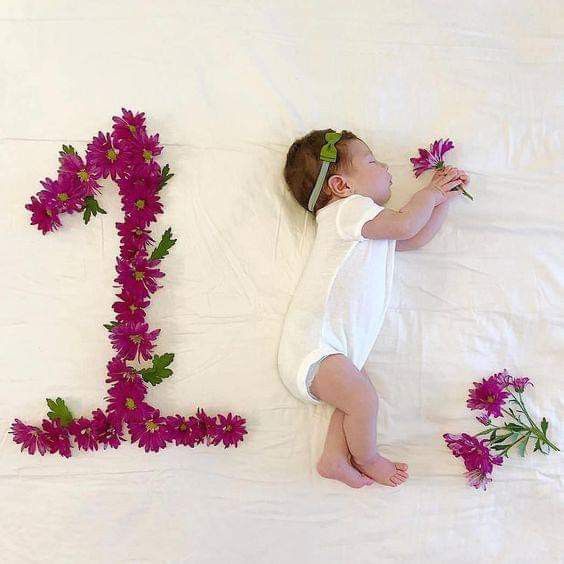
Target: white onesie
{"points": [[341, 298]]}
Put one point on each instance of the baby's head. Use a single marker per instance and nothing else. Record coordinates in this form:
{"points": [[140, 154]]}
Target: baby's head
{"points": [[356, 170]]}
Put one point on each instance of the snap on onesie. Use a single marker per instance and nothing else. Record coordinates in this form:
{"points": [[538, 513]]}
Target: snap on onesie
{"points": [[341, 299]]}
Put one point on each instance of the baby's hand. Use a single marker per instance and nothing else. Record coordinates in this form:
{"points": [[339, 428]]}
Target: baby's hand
{"points": [[443, 182]]}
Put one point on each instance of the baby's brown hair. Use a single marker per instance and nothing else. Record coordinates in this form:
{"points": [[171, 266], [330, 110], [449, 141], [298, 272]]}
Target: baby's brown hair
{"points": [[303, 165]]}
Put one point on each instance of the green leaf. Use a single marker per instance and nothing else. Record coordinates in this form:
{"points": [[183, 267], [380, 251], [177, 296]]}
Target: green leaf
{"points": [[499, 447], [523, 446], [67, 151], [544, 426], [59, 411], [515, 427], [111, 325], [158, 372], [501, 439], [91, 207], [165, 177], [166, 242], [537, 446]]}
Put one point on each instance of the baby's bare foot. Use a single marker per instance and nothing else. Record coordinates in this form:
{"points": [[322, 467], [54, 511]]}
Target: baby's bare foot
{"points": [[384, 471], [341, 469]]}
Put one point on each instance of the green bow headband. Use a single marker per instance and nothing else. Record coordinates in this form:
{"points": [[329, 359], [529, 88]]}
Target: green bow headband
{"points": [[328, 155]]}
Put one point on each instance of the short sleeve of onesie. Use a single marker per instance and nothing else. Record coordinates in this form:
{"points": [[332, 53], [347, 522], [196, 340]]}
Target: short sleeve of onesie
{"points": [[353, 213]]}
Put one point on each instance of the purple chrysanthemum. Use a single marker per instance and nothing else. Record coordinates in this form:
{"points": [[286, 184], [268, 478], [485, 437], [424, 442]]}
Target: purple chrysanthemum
{"points": [[230, 430], [477, 457], [73, 168], [30, 437], [84, 433], [133, 339], [487, 395], [57, 437], [151, 433], [105, 158], [44, 214], [431, 158]]}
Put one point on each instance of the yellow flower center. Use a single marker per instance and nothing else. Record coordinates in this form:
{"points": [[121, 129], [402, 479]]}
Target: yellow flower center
{"points": [[135, 338], [138, 275], [49, 213], [183, 427], [137, 231], [147, 155], [63, 197], [151, 426], [490, 399], [111, 155], [83, 175], [130, 403], [132, 128], [132, 308], [228, 427], [140, 204]]}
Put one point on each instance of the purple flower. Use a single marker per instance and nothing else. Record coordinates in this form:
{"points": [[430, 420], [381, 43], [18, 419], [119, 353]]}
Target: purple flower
{"points": [[503, 378], [151, 433], [487, 395], [477, 457], [484, 419], [431, 158], [30, 437], [44, 214], [520, 383], [84, 433]]}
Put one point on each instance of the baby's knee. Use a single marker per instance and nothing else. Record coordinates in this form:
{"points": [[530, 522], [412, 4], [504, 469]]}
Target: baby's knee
{"points": [[339, 383]]}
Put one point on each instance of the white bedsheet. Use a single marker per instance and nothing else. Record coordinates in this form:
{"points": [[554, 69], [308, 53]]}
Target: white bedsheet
{"points": [[229, 86]]}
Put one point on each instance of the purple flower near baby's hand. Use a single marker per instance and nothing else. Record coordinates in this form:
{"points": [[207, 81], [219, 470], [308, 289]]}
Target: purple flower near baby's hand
{"points": [[433, 158]]}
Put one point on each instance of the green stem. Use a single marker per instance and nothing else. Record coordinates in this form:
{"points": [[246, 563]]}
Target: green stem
{"points": [[536, 430]]}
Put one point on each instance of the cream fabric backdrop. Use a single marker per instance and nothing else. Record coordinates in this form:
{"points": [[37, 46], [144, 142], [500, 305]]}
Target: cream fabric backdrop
{"points": [[229, 86]]}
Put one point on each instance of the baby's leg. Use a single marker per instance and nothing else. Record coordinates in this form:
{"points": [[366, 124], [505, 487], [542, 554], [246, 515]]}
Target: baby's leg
{"points": [[335, 462], [339, 383]]}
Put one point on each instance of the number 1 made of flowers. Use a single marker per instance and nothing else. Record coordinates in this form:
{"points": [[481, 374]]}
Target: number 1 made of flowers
{"points": [[127, 155]]}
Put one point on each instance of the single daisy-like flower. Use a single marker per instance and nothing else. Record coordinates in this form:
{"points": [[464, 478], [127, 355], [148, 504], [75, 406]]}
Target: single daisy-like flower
{"points": [[127, 127], [125, 399], [230, 430], [151, 433], [140, 198], [73, 168], [105, 158], [108, 428], [433, 158], [64, 194], [84, 433], [487, 395], [139, 275], [133, 339], [44, 214], [30, 437], [131, 308], [57, 437]]}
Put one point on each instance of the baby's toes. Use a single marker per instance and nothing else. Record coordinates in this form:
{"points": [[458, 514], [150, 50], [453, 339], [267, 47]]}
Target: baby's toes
{"points": [[401, 465], [402, 474], [399, 478], [395, 480]]}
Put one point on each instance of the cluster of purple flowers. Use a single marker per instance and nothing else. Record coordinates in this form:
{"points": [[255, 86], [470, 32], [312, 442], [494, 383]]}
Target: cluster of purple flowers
{"points": [[128, 156], [489, 395]]}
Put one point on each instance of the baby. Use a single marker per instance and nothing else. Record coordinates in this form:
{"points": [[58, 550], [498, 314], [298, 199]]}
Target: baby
{"points": [[339, 304]]}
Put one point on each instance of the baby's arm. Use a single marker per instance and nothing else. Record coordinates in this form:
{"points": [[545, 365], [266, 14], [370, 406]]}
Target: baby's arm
{"points": [[428, 231]]}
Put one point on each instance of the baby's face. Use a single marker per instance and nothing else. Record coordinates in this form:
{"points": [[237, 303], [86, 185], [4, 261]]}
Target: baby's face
{"points": [[369, 176]]}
